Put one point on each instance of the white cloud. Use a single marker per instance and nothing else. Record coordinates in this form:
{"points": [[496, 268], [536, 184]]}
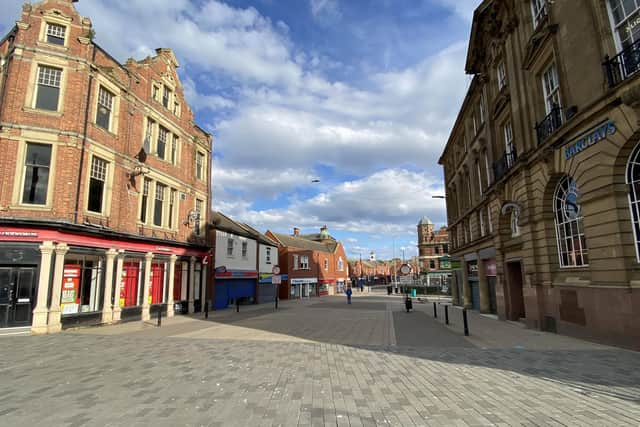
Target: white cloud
{"points": [[464, 8], [325, 11]]}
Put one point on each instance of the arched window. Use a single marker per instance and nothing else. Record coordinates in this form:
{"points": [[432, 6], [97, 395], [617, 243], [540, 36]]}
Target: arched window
{"points": [[572, 247], [633, 179]]}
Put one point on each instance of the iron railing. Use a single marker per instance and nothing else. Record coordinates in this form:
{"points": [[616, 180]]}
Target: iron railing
{"points": [[623, 65], [505, 163], [549, 124]]}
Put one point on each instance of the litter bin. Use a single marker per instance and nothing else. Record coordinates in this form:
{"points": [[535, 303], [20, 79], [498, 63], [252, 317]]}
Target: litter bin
{"points": [[413, 293]]}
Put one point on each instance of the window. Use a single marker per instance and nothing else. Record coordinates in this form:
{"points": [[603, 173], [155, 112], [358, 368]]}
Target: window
{"points": [[572, 247], [489, 222], [199, 165], [48, 93], [158, 207], [502, 75], [481, 108], [199, 207], [145, 200], [97, 181], [148, 136], [432, 264], [508, 144], [469, 189], [229, 247], [176, 108], [326, 264], [83, 293], [515, 226], [105, 106], [173, 196], [36, 174], [551, 88], [436, 250], [268, 256], [55, 34], [633, 180], [539, 11], [166, 95], [162, 142], [244, 249], [304, 262], [340, 264], [174, 150], [445, 248], [481, 222], [479, 176], [625, 15], [155, 93], [487, 168], [295, 262]]}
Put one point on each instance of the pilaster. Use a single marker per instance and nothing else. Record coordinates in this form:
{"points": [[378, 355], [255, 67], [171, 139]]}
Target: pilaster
{"points": [[116, 295], [107, 306], [146, 314], [172, 272], [54, 324], [192, 280], [41, 312]]}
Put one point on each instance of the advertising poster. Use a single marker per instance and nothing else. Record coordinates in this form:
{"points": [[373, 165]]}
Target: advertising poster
{"points": [[70, 298]]}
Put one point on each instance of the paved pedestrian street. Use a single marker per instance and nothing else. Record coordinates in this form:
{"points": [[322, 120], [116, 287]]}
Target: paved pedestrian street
{"points": [[317, 362]]}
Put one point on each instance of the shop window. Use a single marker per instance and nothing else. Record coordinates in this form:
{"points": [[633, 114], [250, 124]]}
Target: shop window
{"points": [[230, 247], [177, 283], [625, 16], [56, 34], [158, 207], [245, 246], [572, 247], [48, 90], [97, 182], [157, 285], [82, 284], [36, 174], [105, 108], [130, 285], [144, 203], [633, 180], [161, 146]]}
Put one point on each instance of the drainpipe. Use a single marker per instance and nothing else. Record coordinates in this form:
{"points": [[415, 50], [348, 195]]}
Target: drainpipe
{"points": [[84, 136]]}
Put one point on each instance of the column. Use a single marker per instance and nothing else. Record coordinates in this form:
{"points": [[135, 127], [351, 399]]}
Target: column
{"points": [[192, 280], [455, 298], [116, 296], [172, 273], [485, 306], [41, 312], [146, 314], [53, 324], [107, 306], [466, 287]]}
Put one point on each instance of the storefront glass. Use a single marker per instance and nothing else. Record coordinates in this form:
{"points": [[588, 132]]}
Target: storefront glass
{"points": [[158, 281], [131, 283], [82, 284]]}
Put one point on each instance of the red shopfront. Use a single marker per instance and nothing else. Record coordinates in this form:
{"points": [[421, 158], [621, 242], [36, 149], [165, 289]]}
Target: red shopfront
{"points": [[87, 261]]}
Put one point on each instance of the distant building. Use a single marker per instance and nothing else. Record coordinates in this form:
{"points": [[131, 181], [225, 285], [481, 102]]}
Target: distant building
{"points": [[433, 253]]}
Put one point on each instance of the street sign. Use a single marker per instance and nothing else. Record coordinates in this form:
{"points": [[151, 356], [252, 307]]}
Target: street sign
{"points": [[275, 279], [406, 280], [275, 269], [405, 269]]}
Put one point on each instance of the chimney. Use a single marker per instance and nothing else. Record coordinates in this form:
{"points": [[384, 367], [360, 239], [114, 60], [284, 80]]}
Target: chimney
{"points": [[296, 231], [323, 228]]}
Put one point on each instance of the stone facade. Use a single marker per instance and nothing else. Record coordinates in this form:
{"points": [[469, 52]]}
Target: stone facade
{"points": [[539, 168], [433, 253], [103, 161]]}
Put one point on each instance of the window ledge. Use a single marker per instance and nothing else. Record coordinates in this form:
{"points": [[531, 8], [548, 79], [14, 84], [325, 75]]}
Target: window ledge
{"points": [[31, 207], [107, 131], [40, 111], [61, 48]]}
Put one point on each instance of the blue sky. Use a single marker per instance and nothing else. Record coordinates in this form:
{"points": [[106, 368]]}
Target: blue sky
{"points": [[360, 94]]}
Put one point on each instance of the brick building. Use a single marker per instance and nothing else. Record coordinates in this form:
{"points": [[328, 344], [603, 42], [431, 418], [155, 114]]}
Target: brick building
{"points": [[433, 253], [541, 167], [104, 179], [314, 264]]}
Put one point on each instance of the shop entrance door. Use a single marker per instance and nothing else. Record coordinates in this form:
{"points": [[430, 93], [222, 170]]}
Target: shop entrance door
{"points": [[17, 296], [516, 295]]}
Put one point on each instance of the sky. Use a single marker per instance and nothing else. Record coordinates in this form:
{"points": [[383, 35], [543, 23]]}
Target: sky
{"points": [[358, 94]]}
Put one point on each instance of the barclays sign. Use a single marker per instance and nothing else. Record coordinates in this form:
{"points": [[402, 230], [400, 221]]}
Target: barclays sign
{"points": [[589, 138]]}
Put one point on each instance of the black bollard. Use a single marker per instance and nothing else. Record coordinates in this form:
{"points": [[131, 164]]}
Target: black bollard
{"points": [[276, 302], [237, 305], [435, 310], [466, 323], [446, 314], [159, 316], [206, 309]]}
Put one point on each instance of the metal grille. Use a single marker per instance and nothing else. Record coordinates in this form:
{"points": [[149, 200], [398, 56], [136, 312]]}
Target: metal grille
{"points": [[49, 76], [98, 169]]}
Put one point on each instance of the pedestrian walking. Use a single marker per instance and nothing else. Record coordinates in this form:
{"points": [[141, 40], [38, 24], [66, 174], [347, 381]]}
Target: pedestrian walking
{"points": [[349, 292]]}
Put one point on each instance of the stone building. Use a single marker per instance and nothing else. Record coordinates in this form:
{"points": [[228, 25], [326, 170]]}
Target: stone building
{"points": [[541, 167], [104, 179], [433, 253]]}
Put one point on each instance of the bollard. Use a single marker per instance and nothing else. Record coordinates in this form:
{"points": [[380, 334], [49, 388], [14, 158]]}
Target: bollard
{"points": [[446, 314], [159, 316], [237, 305], [206, 309], [435, 310], [276, 302], [466, 323]]}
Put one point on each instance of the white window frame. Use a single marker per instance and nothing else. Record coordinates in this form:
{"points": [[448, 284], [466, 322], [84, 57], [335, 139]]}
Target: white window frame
{"points": [[508, 143], [551, 88], [100, 174], [633, 171], [479, 172], [245, 249], [569, 229], [230, 245], [489, 221], [538, 11], [51, 81], [63, 36], [487, 166], [624, 24], [501, 73], [103, 100], [340, 264], [201, 160], [481, 107], [481, 221], [304, 262], [296, 265]]}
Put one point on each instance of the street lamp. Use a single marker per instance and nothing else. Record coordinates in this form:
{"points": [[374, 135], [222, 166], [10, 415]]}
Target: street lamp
{"points": [[438, 197]]}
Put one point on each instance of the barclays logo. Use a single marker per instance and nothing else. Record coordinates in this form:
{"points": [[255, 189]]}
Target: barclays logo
{"points": [[590, 138]]}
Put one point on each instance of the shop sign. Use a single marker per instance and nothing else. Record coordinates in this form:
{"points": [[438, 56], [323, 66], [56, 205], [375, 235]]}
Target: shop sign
{"points": [[69, 299], [589, 138], [18, 234], [490, 266], [163, 249], [304, 281], [276, 280]]}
